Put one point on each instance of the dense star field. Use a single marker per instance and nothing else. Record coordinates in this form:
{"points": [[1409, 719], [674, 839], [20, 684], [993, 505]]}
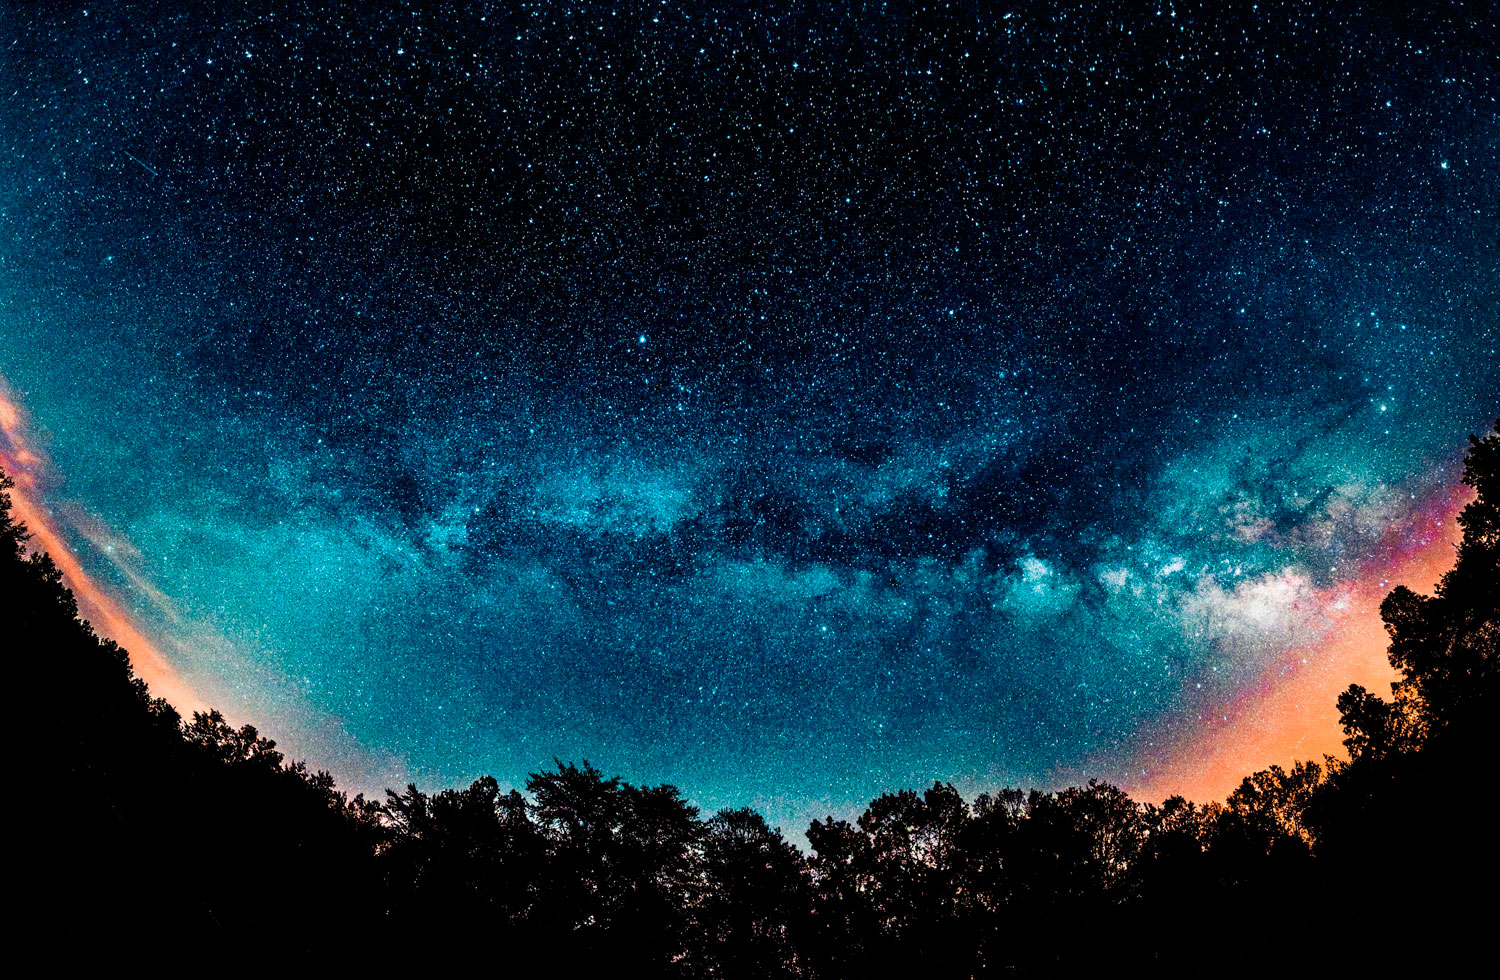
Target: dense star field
{"points": [[787, 402]]}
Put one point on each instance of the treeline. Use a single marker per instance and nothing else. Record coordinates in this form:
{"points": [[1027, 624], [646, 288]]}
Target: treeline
{"points": [[145, 828]]}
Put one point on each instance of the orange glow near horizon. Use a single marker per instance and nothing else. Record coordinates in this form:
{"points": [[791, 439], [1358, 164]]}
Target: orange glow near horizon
{"points": [[24, 464], [1288, 714], [1291, 715]]}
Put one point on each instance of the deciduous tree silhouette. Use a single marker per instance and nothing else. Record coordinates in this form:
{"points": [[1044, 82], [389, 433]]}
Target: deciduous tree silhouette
{"points": [[753, 920], [1384, 830], [1447, 645], [140, 818]]}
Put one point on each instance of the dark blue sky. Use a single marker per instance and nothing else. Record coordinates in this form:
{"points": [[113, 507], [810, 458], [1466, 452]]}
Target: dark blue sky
{"points": [[791, 404]]}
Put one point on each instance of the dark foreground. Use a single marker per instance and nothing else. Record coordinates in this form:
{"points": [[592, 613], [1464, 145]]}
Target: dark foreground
{"points": [[147, 838]]}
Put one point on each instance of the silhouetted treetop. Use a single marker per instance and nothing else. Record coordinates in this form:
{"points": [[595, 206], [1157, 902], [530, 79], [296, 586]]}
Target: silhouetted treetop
{"points": [[142, 819], [1446, 646]]}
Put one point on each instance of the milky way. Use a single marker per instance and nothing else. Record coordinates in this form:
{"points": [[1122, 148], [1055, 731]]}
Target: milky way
{"points": [[790, 403]]}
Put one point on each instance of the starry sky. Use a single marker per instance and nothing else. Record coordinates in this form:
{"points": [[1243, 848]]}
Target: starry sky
{"points": [[792, 402]]}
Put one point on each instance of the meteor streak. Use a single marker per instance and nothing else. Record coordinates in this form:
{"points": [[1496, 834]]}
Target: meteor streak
{"points": [[140, 161]]}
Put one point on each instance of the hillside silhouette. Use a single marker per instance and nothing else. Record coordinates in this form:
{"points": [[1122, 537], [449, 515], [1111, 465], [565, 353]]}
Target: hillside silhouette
{"points": [[140, 828]]}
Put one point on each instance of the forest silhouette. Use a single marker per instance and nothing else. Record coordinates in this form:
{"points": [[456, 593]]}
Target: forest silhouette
{"points": [[143, 829]]}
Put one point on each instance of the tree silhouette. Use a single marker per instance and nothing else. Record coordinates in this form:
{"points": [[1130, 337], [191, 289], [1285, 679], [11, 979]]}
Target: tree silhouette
{"points": [[139, 818], [753, 919], [887, 891], [623, 866], [459, 863], [1447, 645], [1411, 754]]}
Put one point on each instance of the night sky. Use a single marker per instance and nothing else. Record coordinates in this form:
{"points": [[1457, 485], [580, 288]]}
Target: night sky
{"points": [[791, 403]]}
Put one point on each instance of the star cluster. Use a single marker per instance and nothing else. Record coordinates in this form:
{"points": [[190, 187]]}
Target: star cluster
{"points": [[788, 401]]}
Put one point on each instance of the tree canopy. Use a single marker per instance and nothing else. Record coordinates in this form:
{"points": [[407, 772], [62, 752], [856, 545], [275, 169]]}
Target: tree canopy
{"points": [[141, 818]]}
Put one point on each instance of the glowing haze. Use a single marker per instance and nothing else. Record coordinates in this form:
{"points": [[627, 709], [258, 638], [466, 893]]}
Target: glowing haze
{"points": [[1290, 715], [785, 404], [26, 469]]}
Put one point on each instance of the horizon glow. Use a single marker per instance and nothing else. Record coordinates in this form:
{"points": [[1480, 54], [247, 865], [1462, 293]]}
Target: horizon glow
{"points": [[785, 405]]}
